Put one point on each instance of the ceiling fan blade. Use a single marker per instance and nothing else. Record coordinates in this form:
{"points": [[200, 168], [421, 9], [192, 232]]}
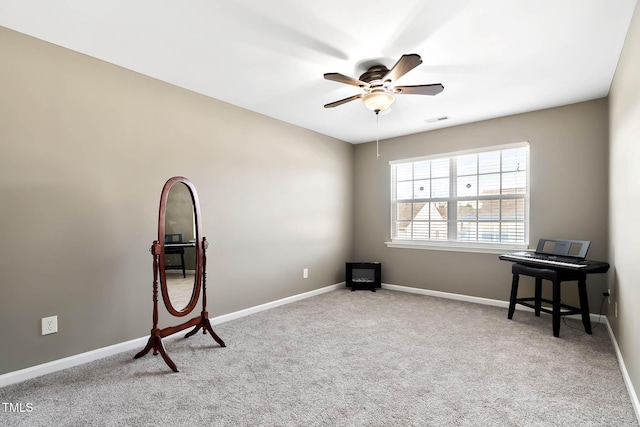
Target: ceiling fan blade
{"points": [[341, 78], [405, 64], [342, 101], [433, 89]]}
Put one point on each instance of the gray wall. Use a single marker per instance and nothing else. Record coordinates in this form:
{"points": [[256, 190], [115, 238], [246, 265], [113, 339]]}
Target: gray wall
{"points": [[624, 122], [85, 150], [569, 198]]}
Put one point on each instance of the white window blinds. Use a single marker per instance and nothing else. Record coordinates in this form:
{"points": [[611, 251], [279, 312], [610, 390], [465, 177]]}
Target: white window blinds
{"points": [[471, 197]]}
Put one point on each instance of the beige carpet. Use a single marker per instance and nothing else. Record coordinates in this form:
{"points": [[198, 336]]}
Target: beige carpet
{"points": [[349, 359]]}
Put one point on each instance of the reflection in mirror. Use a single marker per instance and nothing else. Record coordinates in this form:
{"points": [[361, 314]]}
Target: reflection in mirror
{"points": [[180, 246]]}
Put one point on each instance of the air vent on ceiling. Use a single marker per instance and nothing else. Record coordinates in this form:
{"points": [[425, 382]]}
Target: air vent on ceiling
{"points": [[437, 119]]}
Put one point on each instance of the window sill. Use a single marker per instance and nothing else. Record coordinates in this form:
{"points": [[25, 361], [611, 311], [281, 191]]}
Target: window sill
{"points": [[458, 247]]}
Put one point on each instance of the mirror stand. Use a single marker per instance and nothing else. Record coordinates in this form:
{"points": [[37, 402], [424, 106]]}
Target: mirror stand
{"points": [[200, 322]]}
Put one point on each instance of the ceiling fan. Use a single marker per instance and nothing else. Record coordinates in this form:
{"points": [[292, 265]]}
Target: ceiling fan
{"points": [[378, 84]]}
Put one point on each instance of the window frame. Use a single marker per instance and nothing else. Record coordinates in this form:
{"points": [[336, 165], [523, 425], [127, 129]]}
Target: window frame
{"points": [[452, 201]]}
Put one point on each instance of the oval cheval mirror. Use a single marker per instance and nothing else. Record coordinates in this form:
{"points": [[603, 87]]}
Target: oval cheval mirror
{"points": [[179, 265], [178, 232]]}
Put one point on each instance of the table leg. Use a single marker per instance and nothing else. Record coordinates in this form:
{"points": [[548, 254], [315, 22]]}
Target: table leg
{"points": [[514, 295], [584, 304], [556, 308], [538, 301]]}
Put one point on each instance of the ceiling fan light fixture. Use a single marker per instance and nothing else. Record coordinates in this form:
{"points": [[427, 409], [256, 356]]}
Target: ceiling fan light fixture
{"points": [[377, 84], [377, 100]]}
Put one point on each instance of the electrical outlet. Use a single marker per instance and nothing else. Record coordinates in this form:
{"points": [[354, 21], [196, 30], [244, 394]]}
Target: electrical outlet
{"points": [[49, 325], [305, 273]]}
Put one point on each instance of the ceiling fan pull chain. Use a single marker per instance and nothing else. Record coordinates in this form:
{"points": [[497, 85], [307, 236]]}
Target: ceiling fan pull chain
{"points": [[377, 134]]}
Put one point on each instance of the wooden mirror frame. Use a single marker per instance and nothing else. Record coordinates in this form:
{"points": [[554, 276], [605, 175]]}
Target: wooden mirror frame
{"points": [[162, 213], [157, 251]]}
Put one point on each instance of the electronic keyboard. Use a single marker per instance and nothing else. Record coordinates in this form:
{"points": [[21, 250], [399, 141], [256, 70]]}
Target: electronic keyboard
{"points": [[544, 259]]}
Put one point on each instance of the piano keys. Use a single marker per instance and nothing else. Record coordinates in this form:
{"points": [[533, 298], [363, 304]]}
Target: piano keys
{"points": [[542, 260], [533, 259]]}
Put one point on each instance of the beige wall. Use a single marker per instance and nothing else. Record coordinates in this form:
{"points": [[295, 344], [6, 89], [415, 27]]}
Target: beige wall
{"points": [[86, 149], [569, 196], [624, 122]]}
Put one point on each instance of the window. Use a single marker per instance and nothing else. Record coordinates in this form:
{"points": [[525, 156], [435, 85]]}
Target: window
{"points": [[471, 199]]}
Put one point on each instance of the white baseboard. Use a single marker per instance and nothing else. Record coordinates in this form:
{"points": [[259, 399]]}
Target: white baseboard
{"points": [[71, 361], [138, 343], [476, 300], [447, 295], [625, 374], [273, 304]]}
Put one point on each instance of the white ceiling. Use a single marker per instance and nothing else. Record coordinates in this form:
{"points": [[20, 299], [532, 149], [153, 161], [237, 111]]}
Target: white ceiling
{"points": [[494, 57]]}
